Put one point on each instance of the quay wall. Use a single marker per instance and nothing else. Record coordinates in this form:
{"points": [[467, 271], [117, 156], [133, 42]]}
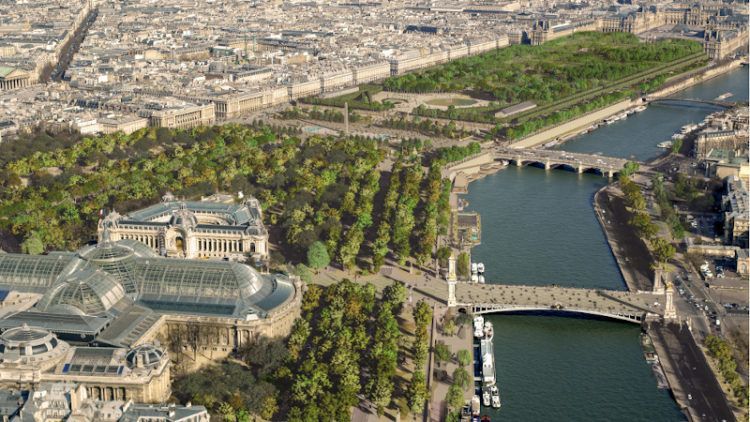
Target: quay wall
{"points": [[575, 125], [698, 78]]}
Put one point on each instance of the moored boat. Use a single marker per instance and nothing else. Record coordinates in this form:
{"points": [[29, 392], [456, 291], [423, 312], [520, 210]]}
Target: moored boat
{"points": [[478, 326], [665, 144], [495, 394]]}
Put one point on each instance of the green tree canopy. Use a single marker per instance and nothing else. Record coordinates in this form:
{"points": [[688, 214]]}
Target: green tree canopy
{"points": [[317, 256]]}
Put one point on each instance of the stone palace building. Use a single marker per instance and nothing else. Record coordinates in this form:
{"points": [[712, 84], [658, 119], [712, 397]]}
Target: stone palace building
{"points": [[214, 227]]}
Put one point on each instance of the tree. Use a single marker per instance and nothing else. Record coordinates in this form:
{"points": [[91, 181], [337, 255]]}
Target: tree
{"points": [[464, 357], [303, 272], [461, 378], [317, 256], [463, 266], [32, 245], [663, 250], [449, 327], [443, 253], [454, 397], [630, 168], [442, 352], [416, 393]]}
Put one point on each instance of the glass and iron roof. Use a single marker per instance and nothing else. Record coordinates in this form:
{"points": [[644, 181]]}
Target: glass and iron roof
{"points": [[105, 279]]}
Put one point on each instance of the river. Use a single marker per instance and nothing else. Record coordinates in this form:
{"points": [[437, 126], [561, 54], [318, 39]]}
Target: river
{"points": [[539, 227]]}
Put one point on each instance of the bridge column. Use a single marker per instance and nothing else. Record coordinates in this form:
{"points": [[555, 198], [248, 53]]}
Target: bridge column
{"points": [[580, 168], [610, 173], [547, 165], [669, 310], [659, 281], [519, 161], [452, 293]]}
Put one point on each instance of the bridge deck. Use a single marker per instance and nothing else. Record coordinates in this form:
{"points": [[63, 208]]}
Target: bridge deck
{"points": [[509, 297], [557, 157]]}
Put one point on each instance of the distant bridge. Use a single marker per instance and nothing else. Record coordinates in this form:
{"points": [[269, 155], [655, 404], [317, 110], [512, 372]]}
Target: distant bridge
{"points": [[549, 159], [499, 298], [694, 101]]}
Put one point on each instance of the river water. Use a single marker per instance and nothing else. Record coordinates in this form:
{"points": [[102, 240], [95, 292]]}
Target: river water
{"points": [[539, 227]]}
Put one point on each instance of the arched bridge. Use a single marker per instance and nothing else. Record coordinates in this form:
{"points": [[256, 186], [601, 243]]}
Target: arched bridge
{"points": [[580, 163], [693, 101], [499, 298]]}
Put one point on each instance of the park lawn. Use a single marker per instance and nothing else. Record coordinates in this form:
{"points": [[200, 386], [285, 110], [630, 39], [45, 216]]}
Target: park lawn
{"points": [[544, 73]]}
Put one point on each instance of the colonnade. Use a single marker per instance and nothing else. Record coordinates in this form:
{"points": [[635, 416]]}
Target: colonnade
{"points": [[219, 246], [14, 84], [107, 393], [149, 240], [204, 246]]}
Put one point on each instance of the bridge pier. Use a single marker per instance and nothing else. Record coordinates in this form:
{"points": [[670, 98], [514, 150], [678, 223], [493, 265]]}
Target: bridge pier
{"points": [[547, 165], [580, 168], [610, 174]]}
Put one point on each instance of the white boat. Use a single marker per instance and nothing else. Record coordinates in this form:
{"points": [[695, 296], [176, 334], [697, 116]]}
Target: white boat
{"points": [[486, 397], [665, 144], [475, 405], [688, 128], [480, 268], [480, 279], [474, 278], [678, 136], [488, 365], [724, 96], [495, 394], [640, 109], [478, 326], [489, 332], [473, 267]]}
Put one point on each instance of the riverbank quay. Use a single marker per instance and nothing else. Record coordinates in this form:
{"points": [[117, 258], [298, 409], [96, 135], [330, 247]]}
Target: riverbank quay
{"points": [[572, 128], [441, 377], [693, 384], [631, 253]]}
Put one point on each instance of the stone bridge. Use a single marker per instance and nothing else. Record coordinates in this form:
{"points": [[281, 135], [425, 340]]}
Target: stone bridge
{"points": [[607, 166], [696, 101], [499, 298]]}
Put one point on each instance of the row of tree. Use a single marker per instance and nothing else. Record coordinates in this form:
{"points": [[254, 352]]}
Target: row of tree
{"points": [[416, 392], [326, 115], [662, 249], [344, 344], [722, 352], [426, 127]]}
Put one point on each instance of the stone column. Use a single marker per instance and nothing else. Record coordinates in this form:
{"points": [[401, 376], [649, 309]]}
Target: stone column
{"points": [[669, 310], [451, 268], [659, 281], [452, 293]]}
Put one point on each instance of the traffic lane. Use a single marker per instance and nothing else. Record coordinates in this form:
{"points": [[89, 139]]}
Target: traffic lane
{"points": [[708, 401]]}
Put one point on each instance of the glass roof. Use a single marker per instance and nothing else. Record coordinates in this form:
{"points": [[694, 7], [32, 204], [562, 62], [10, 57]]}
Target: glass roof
{"points": [[92, 281], [90, 291], [31, 273]]}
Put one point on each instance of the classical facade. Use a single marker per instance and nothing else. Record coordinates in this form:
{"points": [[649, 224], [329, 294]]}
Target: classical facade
{"points": [[13, 78], [183, 117], [31, 355], [214, 227]]}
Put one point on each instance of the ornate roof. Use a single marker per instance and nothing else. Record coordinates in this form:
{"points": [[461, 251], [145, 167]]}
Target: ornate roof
{"points": [[104, 279]]}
